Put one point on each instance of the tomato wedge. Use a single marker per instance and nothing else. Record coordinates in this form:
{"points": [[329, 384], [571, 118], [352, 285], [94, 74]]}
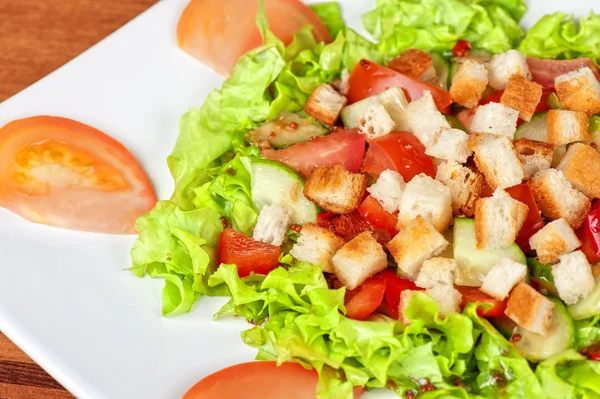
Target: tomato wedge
{"points": [[400, 151], [368, 79], [533, 221], [62, 173], [260, 380], [345, 147], [218, 32], [248, 254], [365, 299], [378, 217], [474, 294], [586, 245], [394, 285]]}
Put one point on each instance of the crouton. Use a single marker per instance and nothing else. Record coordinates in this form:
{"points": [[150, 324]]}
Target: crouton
{"points": [[388, 190], [553, 240], [573, 277], [535, 155], [564, 127], [425, 120], [469, 83], [317, 246], [325, 104], [451, 144], [581, 167], [466, 186], [503, 66], [447, 297], [416, 64], [529, 309], [272, 224], [579, 91], [497, 159], [495, 118], [428, 198], [375, 121], [501, 279], [335, 189], [414, 244], [522, 95], [405, 297], [498, 220], [556, 198], [436, 271], [359, 259]]}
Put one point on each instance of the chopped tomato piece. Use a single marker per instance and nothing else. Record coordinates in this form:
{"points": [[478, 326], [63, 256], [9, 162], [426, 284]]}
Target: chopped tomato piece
{"points": [[62, 173], [461, 48], [368, 79], [400, 151], [533, 222], [544, 71], [248, 254], [379, 218], [394, 285], [345, 147], [465, 116], [591, 225], [351, 224], [474, 294], [365, 299], [586, 246]]}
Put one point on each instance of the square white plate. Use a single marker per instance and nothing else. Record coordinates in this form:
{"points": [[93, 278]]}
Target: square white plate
{"points": [[64, 298]]}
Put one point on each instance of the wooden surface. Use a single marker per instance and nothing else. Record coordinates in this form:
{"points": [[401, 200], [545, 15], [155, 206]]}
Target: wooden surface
{"points": [[37, 37]]}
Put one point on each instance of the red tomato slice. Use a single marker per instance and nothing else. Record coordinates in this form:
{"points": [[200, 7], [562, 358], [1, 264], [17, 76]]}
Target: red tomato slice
{"points": [[351, 224], [533, 222], [345, 147], [394, 285], [402, 152], [368, 79], [249, 255], [586, 245], [62, 173], [218, 32], [474, 294], [461, 48], [378, 217], [260, 380], [365, 299]]}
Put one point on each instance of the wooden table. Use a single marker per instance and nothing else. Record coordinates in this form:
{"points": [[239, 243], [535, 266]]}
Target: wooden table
{"points": [[36, 37]]}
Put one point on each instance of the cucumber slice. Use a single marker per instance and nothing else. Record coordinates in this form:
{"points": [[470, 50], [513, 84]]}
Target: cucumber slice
{"points": [[287, 129], [455, 123], [553, 102], [535, 129], [588, 306], [473, 264], [393, 100], [442, 70], [273, 183], [560, 336], [504, 325], [541, 273], [594, 124]]}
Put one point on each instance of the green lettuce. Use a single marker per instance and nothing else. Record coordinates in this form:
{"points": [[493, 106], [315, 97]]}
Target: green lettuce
{"points": [[587, 332], [330, 14], [569, 375]]}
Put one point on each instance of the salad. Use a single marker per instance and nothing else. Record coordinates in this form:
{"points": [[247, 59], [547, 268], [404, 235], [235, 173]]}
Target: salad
{"points": [[418, 214]]}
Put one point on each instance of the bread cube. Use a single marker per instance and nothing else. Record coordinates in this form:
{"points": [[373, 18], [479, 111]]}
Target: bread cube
{"points": [[388, 190], [564, 127], [272, 224], [501, 279], [451, 144], [405, 297], [415, 63], [535, 155], [579, 91], [553, 240], [424, 119], [317, 246], [581, 167], [522, 95], [498, 220], [436, 271], [426, 197], [375, 121], [503, 66], [447, 297], [359, 259], [573, 277], [497, 159], [530, 309], [335, 189], [495, 118], [469, 83], [466, 186]]}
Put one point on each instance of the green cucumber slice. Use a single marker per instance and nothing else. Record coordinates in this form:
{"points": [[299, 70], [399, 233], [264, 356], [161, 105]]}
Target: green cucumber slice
{"points": [[504, 325], [541, 273], [535, 129], [553, 102], [455, 123], [588, 306], [393, 100], [287, 129]]}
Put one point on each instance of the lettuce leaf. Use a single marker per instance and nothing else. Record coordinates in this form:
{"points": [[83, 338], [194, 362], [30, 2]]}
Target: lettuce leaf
{"points": [[587, 332], [330, 14], [569, 375]]}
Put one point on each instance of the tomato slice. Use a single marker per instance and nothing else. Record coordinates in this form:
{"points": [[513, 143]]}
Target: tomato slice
{"points": [[474, 294], [218, 32], [350, 225], [400, 151], [248, 254], [62, 173], [368, 79], [365, 299], [533, 221], [344, 147], [461, 48], [394, 285], [378, 217], [260, 380]]}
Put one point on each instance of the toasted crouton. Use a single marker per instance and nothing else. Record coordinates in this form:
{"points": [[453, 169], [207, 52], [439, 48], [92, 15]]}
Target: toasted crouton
{"points": [[503, 66], [272, 224], [451, 144], [375, 121], [325, 104], [428, 198], [553, 240], [581, 167], [447, 297], [495, 118], [317, 246], [497, 159], [564, 127], [579, 91], [501, 279], [466, 186], [335, 189], [436, 271], [414, 63], [523, 95], [573, 277], [469, 83], [388, 190], [414, 244], [359, 259], [557, 199], [529, 309], [498, 220], [535, 155], [424, 119], [405, 297]]}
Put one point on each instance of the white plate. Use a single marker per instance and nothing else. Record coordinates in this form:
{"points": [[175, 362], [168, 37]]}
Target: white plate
{"points": [[64, 298]]}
